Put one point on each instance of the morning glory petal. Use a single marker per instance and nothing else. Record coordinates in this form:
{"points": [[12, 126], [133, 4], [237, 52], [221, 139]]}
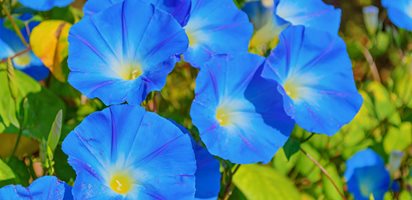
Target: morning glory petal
{"points": [[400, 12], [216, 27], [316, 80], [366, 175], [207, 170], [45, 5], [124, 52], [310, 13], [46, 187], [234, 107], [121, 153], [177, 8], [207, 173]]}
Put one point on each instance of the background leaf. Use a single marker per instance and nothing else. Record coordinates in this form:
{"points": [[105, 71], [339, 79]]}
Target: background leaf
{"points": [[5, 171], [49, 42], [259, 182], [55, 131]]}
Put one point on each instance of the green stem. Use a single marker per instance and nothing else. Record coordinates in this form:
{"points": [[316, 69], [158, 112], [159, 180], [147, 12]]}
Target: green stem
{"points": [[16, 145], [308, 138], [229, 185], [13, 91], [324, 172]]}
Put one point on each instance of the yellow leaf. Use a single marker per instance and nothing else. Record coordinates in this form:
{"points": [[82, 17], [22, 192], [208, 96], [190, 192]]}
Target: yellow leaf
{"points": [[49, 42], [27, 146]]}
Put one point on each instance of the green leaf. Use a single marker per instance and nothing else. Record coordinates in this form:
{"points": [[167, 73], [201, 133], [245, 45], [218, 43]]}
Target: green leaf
{"points": [[35, 104], [40, 117], [63, 170], [306, 167], [403, 83], [282, 164], [384, 107], [26, 85], [55, 132], [20, 170], [397, 139], [291, 147], [5, 172], [259, 182]]}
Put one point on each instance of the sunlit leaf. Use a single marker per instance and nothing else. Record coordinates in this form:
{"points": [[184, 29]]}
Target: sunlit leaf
{"points": [[49, 42], [8, 107], [384, 107], [397, 139], [5, 171], [261, 183]]}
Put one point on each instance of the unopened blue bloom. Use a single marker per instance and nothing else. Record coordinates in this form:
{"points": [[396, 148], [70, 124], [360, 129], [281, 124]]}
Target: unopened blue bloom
{"points": [[213, 26], [124, 152], [366, 175], [207, 171], [239, 114], [47, 187], [11, 45], [178, 8], [400, 12], [45, 5], [316, 80], [124, 52], [371, 18]]}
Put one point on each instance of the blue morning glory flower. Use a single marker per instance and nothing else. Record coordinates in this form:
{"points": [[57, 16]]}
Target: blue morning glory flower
{"points": [[124, 52], [216, 27], [10, 45], [272, 17], [46, 187], [316, 80], [239, 114], [366, 175], [310, 13], [45, 5], [400, 12], [178, 8], [124, 152], [213, 26], [207, 171]]}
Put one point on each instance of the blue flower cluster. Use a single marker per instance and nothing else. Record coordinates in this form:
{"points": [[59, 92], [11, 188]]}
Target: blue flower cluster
{"points": [[245, 105]]}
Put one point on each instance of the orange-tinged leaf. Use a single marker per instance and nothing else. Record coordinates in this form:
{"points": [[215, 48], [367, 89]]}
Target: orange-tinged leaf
{"points": [[27, 146], [49, 42]]}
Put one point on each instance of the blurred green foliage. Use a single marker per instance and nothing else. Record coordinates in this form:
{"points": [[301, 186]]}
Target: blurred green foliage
{"points": [[28, 112]]}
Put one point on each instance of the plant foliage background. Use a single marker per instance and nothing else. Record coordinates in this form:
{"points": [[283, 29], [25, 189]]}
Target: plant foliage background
{"points": [[33, 114]]}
